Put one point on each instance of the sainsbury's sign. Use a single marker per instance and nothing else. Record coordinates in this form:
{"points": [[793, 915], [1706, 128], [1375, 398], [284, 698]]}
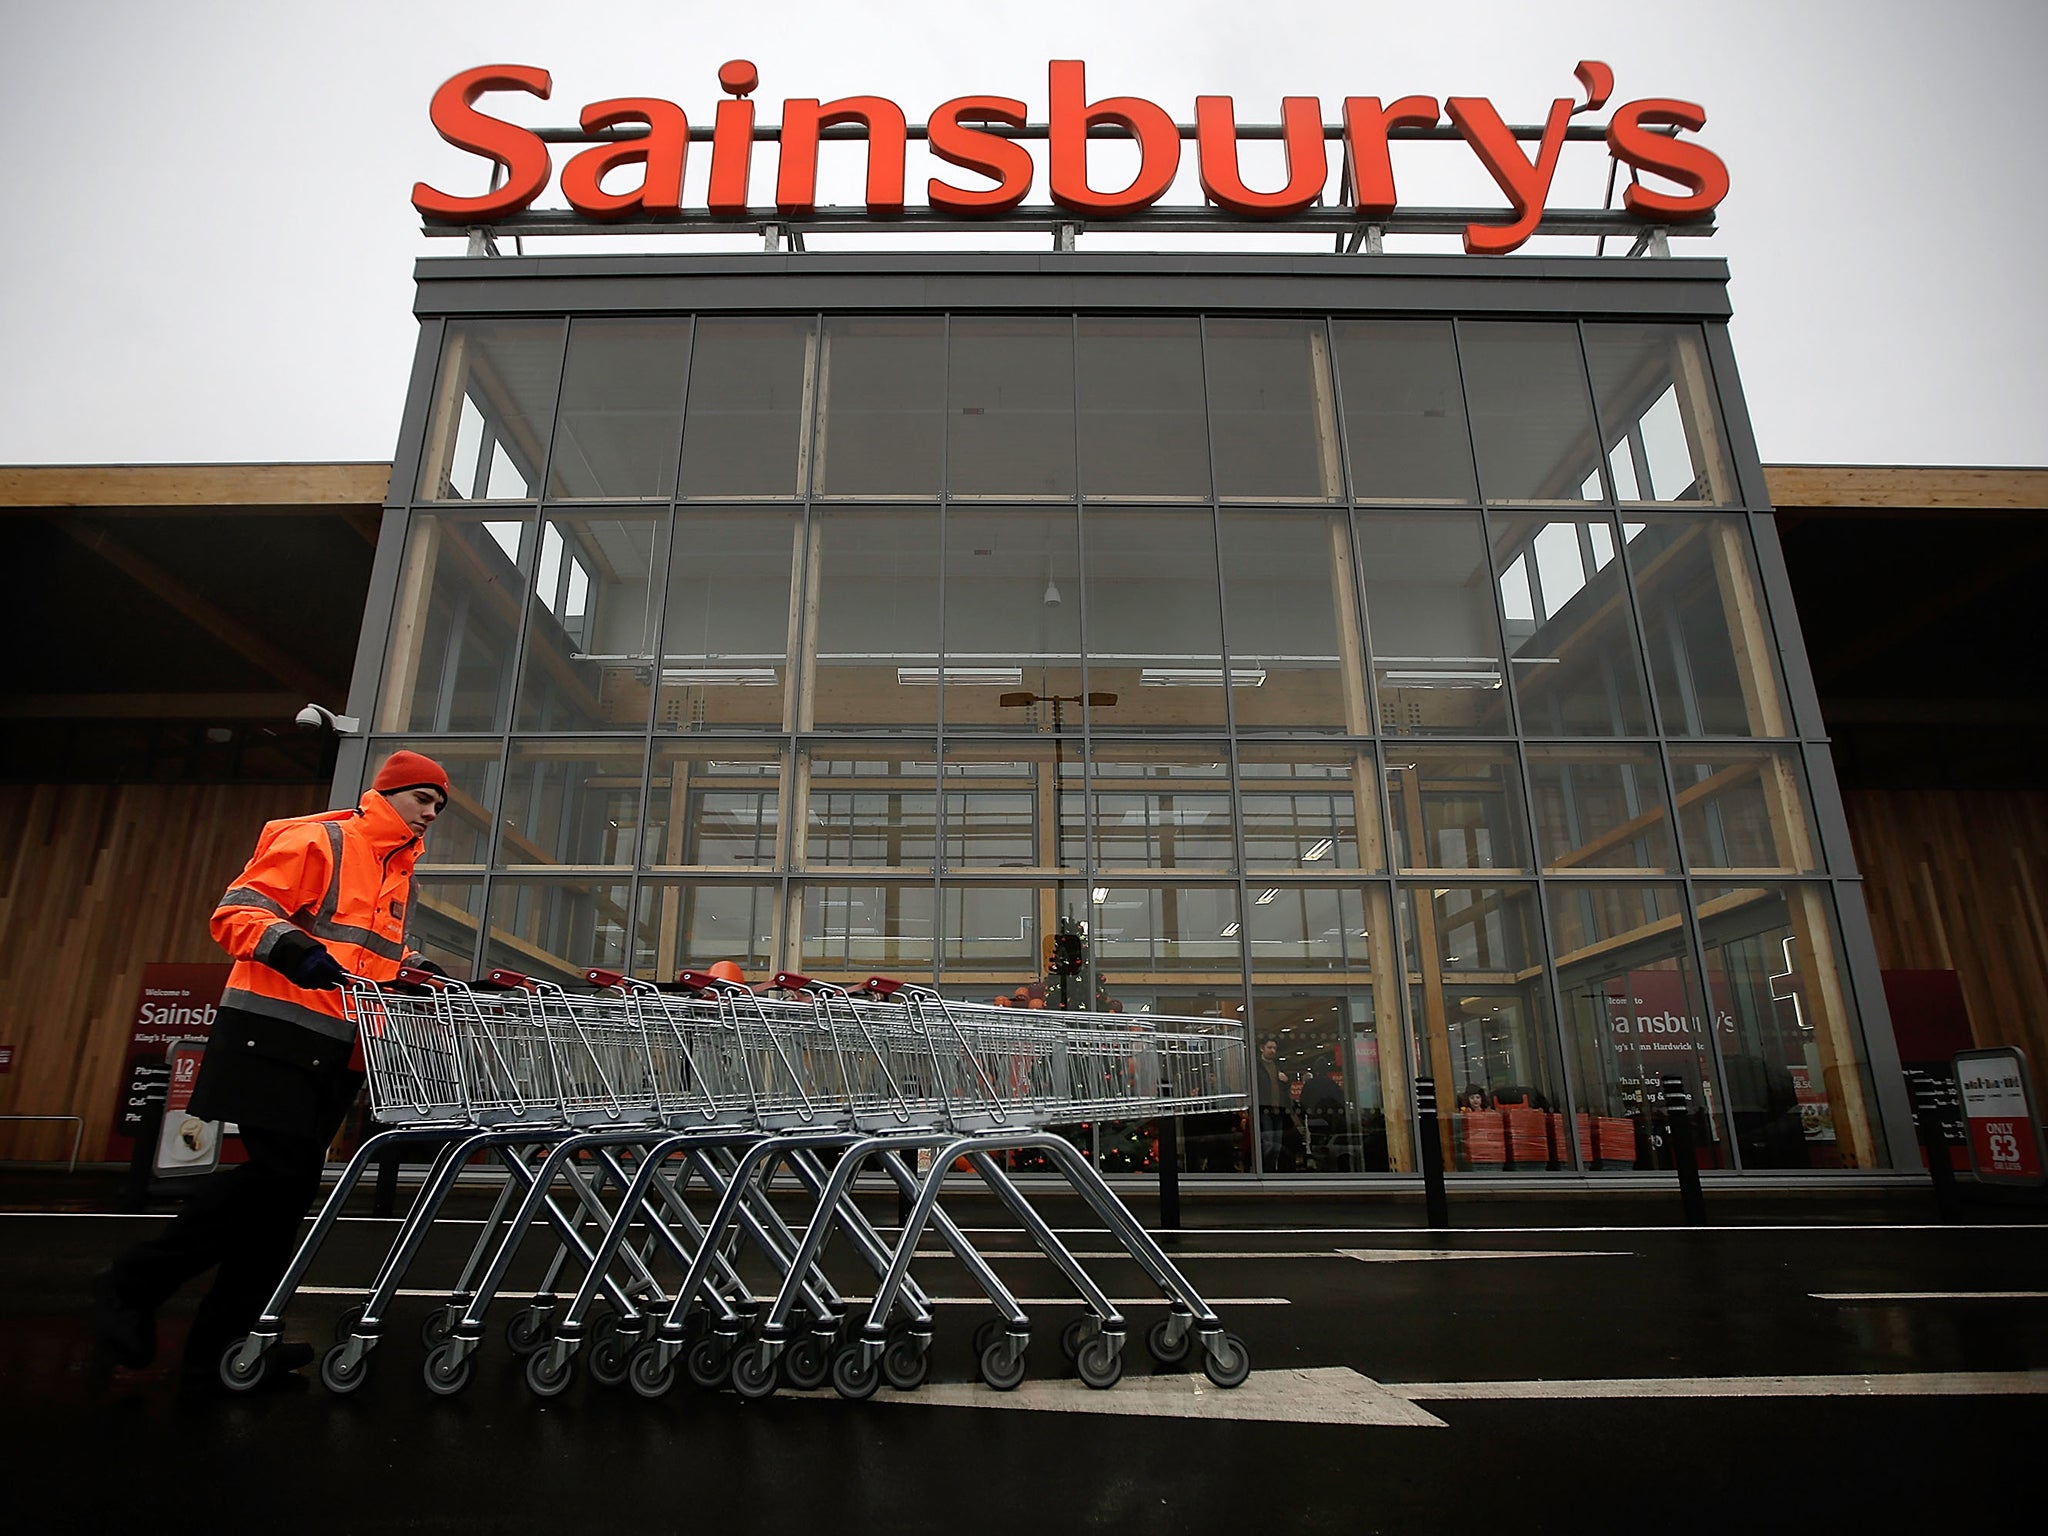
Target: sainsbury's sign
{"points": [[969, 132]]}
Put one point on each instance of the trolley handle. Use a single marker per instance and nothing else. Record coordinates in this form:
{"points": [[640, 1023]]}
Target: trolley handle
{"points": [[511, 981], [792, 981], [412, 976], [713, 986], [881, 986], [598, 977]]}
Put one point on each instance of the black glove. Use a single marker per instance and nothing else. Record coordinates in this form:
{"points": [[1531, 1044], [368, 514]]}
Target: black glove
{"points": [[317, 971]]}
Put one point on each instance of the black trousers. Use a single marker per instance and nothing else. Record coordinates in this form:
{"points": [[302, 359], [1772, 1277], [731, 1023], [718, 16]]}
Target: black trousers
{"points": [[243, 1220]]}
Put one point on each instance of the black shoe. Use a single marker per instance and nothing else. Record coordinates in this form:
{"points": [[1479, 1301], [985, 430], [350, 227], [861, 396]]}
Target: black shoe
{"points": [[125, 1332]]}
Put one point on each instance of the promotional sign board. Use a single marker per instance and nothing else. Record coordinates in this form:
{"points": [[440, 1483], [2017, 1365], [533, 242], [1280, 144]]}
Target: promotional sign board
{"points": [[174, 1003], [1998, 1107], [185, 1144]]}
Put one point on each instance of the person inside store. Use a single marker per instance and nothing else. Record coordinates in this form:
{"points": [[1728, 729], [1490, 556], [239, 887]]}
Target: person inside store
{"points": [[1322, 1114], [324, 899], [1277, 1135], [1473, 1098]]}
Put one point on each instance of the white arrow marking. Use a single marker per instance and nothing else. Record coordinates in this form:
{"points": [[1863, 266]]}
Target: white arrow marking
{"points": [[1414, 1255]]}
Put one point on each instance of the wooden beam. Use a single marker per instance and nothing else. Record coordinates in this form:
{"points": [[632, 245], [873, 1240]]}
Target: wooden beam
{"points": [[151, 706], [1870, 485], [194, 485]]}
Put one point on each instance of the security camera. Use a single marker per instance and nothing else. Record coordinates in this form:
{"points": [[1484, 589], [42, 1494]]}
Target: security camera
{"points": [[317, 717]]}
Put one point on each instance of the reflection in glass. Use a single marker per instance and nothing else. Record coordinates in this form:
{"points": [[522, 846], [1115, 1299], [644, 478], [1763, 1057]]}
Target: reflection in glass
{"points": [[1003, 803], [1291, 607], [1799, 1080], [1456, 808], [456, 622], [1404, 411], [1571, 644], [1162, 807], [443, 921], [1140, 928], [1329, 1080], [1743, 809], [1301, 808], [1270, 409], [493, 404], [870, 806], [1013, 615], [622, 409], [692, 925], [725, 631], [1010, 407], [1601, 809], [750, 379], [990, 936], [882, 418], [1155, 629], [555, 929], [714, 803], [1655, 395], [1525, 385], [571, 802], [461, 835], [1436, 654], [859, 929], [1144, 431], [590, 629], [872, 658], [1712, 651]]}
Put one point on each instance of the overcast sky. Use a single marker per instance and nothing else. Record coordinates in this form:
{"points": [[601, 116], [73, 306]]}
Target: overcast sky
{"points": [[210, 241]]}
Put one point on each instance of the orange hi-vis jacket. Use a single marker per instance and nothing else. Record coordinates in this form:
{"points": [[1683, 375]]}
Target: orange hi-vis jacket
{"points": [[342, 877]]}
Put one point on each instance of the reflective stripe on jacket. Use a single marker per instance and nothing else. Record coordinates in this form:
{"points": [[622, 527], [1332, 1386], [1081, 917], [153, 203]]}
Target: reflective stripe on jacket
{"points": [[343, 877]]}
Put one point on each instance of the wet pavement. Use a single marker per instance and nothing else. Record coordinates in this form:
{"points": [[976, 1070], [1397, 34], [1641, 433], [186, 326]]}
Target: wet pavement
{"points": [[1830, 1359]]}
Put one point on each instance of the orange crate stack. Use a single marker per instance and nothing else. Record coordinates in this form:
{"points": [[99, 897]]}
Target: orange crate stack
{"points": [[1616, 1138], [1528, 1137], [1479, 1137]]}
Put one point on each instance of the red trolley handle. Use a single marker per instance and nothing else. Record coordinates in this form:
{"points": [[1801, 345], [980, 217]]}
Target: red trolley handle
{"points": [[509, 980], [704, 981]]}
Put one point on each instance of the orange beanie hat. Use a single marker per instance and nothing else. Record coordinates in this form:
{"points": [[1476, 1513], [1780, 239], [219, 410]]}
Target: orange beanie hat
{"points": [[410, 770]]}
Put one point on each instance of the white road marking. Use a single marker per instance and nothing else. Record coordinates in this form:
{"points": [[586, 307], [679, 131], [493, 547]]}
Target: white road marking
{"points": [[1412, 1255], [1914, 1384], [1929, 1295]]}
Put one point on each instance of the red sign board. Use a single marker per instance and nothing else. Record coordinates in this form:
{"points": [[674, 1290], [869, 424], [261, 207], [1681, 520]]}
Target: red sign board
{"points": [[968, 132], [2005, 1138], [175, 1002]]}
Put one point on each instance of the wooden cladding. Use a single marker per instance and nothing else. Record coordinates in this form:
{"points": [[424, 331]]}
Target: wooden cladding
{"points": [[1957, 880], [97, 880]]}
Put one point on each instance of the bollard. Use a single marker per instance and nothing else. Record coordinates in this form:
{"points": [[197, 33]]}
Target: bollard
{"points": [[1929, 1115], [386, 1197], [1678, 1124], [1169, 1173], [1435, 1204]]}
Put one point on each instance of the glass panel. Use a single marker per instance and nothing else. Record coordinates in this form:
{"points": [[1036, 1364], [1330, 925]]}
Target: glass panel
{"points": [[870, 806], [1525, 384], [1143, 429], [1456, 808], [461, 835], [1601, 809], [622, 409], [1155, 627], [556, 929], [1712, 651], [493, 402], [1270, 409], [1655, 394], [1010, 407], [882, 419], [1743, 809], [1013, 617], [1799, 1081], [743, 426], [1004, 802], [874, 580], [692, 925], [1139, 931], [590, 633], [991, 939], [455, 623], [714, 803], [1161, 807], [1474, 957], [1295, 648], [1215, 1143], [855, 930], [1300, 808], [1435, 641], [1404, 413], [444, 920], [1573, 652], [1633, 1017], [726, 625], [571, 802]]}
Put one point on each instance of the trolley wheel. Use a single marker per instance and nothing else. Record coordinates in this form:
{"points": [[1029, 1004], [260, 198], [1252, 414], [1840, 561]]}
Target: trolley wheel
{"points": [[1229, 1363], [705, 1362], [986, 1332], [1002, 1364], [807, 1364], [852, 1378], [648, 1374], [437, 1328], [345, 1325], [1099, 1366], [238, 1375], [547, 1379], [1163, 1352], [611, 1357], [527, 1331], [1075, 1335], [341, 1376], [446, 1372], [904, 1365], [753, 1372]]}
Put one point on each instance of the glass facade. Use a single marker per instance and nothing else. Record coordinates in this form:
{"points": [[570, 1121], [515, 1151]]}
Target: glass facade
{"points": [[1402, 686]]}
